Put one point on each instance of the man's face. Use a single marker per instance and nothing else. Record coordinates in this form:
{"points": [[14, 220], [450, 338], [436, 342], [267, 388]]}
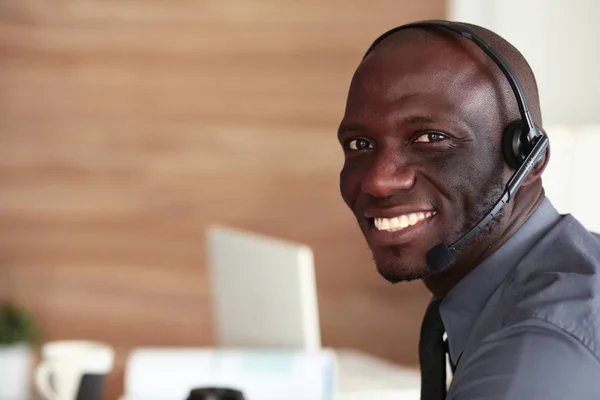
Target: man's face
{"points": [[422, 152]]}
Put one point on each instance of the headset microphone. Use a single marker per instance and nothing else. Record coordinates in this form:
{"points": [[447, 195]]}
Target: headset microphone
{"points": [[523, 144], [442, 256]]}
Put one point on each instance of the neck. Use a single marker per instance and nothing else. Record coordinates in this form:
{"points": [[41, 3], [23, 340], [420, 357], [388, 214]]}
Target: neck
{"points": [[525, 203]]}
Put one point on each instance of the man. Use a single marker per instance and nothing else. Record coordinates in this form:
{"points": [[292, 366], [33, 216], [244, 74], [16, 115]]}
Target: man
{"points": [[422, 136]]}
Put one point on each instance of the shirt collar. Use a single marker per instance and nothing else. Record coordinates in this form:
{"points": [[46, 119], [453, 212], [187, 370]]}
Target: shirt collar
{"points": [[462, 305]]}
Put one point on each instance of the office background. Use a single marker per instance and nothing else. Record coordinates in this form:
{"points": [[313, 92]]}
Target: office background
{"points": [[127, 127]]}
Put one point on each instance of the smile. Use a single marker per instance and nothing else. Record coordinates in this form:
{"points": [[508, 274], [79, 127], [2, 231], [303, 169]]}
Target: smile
{"points": [[401, 222]]}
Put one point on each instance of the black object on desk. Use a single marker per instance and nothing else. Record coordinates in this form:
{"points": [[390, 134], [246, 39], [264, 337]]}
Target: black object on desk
{"points": [[215, 393], [91, 387]]}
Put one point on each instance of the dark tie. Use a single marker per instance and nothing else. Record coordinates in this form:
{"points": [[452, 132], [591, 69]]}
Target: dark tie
{"points": [[432, 354]]}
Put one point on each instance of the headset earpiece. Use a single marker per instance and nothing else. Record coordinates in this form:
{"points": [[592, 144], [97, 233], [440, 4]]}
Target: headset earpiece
{"points": [[515, 144]]}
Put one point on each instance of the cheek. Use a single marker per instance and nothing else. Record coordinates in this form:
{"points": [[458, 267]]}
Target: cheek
{"points": [[451, 172], [464, 177], [347, 187], [350, 183], [475, 177]]}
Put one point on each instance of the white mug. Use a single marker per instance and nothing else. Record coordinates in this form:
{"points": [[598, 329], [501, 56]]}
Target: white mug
{"points": [[65, 363]]}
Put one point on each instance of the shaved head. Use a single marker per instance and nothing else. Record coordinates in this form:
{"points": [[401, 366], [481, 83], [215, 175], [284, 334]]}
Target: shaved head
{"points": [[516, 60]]}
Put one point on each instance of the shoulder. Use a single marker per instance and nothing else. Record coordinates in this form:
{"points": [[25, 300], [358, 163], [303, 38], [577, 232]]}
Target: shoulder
{"points": [[531, 359], [539, 336], [558, 281]]}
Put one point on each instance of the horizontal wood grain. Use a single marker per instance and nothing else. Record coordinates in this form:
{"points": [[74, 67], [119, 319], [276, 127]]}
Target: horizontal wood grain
{"points": [[128, 127]]}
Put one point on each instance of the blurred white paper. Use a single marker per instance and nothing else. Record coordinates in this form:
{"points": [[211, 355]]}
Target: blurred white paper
{"points": [[159, 374]]}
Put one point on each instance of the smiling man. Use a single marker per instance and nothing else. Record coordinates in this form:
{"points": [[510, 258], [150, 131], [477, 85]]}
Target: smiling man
{"points": [[432, 133]]}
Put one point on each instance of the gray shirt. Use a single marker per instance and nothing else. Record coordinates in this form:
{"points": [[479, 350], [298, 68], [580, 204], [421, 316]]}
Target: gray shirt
{"points": [[525, 324]]}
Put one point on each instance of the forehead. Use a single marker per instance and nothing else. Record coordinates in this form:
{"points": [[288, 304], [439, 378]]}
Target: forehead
{"points": [[437, 75]]}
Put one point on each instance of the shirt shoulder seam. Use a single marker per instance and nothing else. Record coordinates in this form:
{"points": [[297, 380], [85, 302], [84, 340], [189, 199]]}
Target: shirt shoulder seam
{"points": [[570, 334]]}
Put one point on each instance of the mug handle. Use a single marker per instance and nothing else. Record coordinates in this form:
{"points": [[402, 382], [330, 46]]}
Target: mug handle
{"points": [[42, 380]]}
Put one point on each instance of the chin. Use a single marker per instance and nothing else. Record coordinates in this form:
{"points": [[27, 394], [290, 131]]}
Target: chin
{"points": [[395, 269]]}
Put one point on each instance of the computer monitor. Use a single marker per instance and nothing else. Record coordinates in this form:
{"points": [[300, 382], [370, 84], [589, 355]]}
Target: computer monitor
{"points": [[263, 291]]}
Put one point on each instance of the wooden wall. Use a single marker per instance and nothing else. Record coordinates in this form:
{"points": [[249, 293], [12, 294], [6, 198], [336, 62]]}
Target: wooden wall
{"points": [[128, 126]]}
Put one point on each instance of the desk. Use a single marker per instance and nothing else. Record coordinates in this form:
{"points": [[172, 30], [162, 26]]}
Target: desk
{"points": [[366, 377]]}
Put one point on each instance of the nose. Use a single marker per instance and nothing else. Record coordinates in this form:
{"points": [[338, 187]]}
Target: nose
{"points": [[388, 174]]}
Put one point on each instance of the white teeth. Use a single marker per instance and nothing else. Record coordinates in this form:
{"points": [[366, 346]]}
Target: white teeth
{"points": [[385, 224], [413, 218], [402, 221]]}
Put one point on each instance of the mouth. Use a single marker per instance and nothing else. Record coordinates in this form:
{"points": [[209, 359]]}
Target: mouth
{"points": [[401, 222], [395, 230]]}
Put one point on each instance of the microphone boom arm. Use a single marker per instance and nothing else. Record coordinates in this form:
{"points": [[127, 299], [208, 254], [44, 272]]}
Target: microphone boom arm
{"points": [[511, 187]]}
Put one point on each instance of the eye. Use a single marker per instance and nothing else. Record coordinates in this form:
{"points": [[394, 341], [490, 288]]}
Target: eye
{"points": [[359, 144], [430, 137]]}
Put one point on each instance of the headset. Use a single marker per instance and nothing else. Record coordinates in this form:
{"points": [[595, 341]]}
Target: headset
{"points": [[523, 143]]}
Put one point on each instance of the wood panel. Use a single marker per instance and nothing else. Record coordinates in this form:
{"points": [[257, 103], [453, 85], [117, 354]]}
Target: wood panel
{"points": [[128, 126]]}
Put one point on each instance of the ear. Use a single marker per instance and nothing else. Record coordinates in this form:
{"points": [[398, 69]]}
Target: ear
{"points": [[537, 171]]}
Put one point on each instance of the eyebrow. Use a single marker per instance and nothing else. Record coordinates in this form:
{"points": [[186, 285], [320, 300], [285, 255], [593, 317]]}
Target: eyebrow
{"points": [[409, 120], [419, 119], [347, 128]]}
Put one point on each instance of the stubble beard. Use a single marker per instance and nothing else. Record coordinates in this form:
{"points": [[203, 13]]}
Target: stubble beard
{"points": [[399, 271]]}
